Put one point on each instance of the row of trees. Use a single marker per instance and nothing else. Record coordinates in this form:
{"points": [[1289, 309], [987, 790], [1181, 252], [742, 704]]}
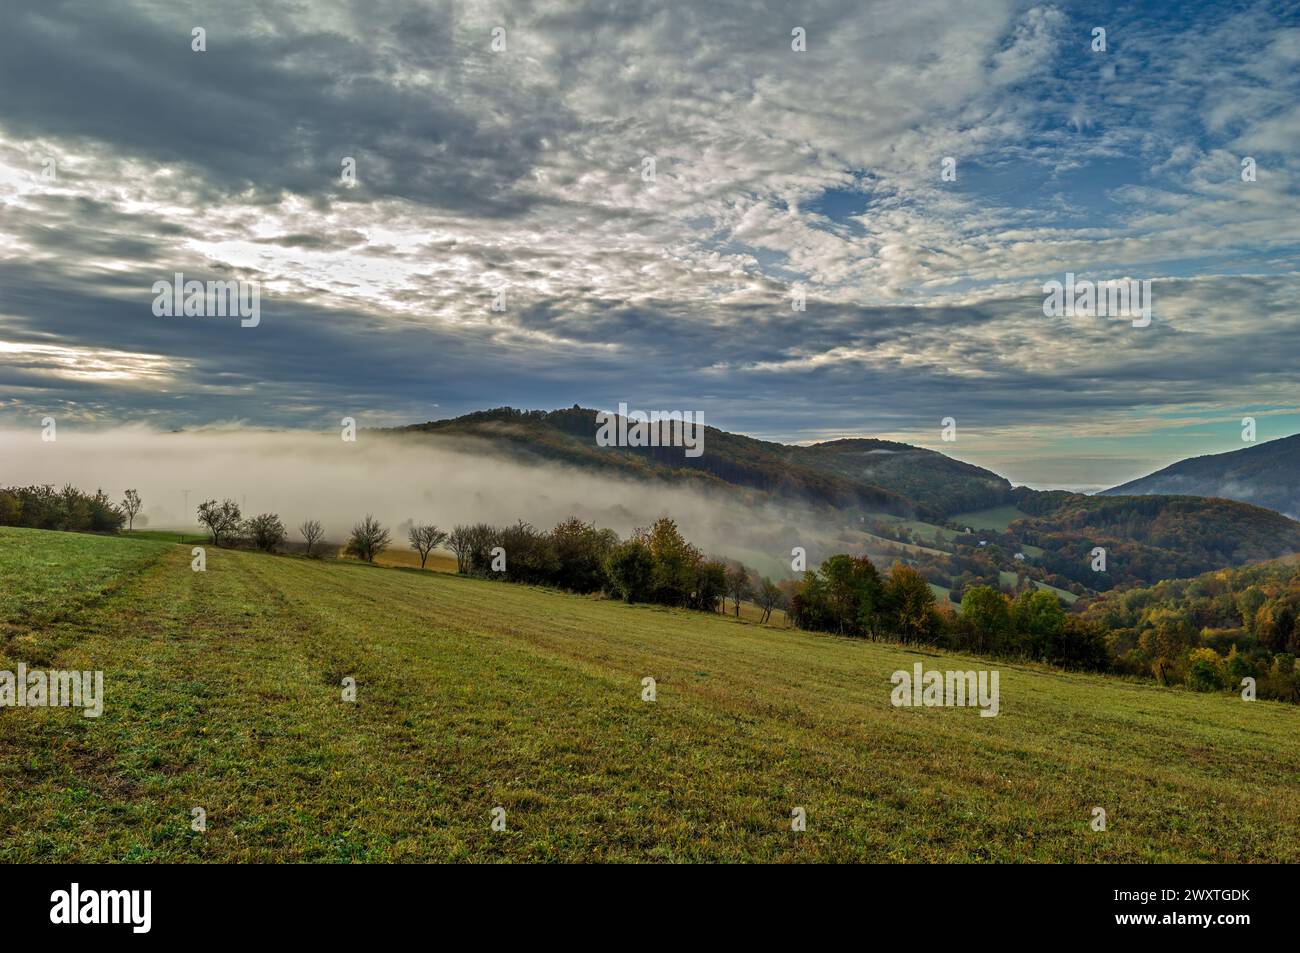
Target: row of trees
{"points": [[849, 596], [43, 507], [655, 565]]}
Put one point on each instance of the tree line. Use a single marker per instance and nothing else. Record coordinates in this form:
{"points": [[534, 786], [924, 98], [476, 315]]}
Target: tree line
{"points": [[44, 507], [655, 564], [1209, 632], [849, 596]]}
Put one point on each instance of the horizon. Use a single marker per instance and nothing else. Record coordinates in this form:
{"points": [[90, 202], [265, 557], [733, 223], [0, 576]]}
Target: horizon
{"points": [[940, 447]]}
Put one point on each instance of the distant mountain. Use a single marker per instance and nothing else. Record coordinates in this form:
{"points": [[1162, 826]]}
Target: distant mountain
{"points": [[878, 475], [1266, 474]]}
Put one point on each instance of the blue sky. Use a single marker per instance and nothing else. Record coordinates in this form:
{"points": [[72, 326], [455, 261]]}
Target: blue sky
{"points": [[522, 169]]}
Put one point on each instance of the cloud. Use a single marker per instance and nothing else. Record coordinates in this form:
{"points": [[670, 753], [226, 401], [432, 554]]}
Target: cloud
{"points": [[522, 171]]}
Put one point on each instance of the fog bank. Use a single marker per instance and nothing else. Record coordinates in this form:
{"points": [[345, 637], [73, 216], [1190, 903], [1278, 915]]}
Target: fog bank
{"points": [[301, 475]]}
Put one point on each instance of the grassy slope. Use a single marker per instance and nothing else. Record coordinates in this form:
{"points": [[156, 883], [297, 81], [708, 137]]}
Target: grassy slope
{"points": [[995, 519], [222, 692], [44, 574]]}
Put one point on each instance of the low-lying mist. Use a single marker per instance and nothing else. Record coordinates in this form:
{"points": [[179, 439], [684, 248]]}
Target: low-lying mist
{"points": [[398, 478]]}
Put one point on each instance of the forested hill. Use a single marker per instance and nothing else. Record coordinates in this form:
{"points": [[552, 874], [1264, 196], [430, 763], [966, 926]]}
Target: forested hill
{"points": [[1147, 538], [1266, 474], [871, 474]]}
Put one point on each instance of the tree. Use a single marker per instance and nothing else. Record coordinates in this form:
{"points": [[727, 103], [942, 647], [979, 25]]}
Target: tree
{"points": [[311, 531], [266, 531], [131, 507], [853, 594], [629, 567], [1206, 672], [221, 519], [769, 596], [1274, 623], [425, 539], [530, 554], [710, 586], [368, 539], [1038, 618], [1166, 642], [985, 618], [909, 604], [459, 542], [674, 561], [579, 550], [482, 540], [738, 585]]}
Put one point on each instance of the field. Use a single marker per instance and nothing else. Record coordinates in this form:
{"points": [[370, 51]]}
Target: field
{"points": [[223, 692], [995, 519]]}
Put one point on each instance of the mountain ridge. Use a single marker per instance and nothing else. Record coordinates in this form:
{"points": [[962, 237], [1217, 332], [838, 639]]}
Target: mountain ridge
{"points": [[915, 504], [1265, 474]]}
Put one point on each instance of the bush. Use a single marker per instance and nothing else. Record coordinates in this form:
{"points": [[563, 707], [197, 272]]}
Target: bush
{"points": [[1205, 671], [41, 507], [265, 531], [368, 539], [629, 569]]}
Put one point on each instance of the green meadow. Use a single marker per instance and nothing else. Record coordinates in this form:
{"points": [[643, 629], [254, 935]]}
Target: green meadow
{"points": [[223, 691]]}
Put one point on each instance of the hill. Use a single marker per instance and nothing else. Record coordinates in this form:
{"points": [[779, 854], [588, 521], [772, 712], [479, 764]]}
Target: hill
{"points": [[892, 500], [1249, 616], [877, 475], [1266, 474], [222, 690], [1149, 538]]}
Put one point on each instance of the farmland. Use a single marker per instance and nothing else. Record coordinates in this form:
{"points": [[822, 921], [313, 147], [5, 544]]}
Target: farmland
{"points": [[223, 691]]}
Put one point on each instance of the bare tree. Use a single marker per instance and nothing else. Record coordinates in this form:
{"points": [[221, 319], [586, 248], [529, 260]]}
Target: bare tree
{"points": [[131, 507], [738, 585], [221, 519], [368, 539], [312, 533], [424, 539], [461, 540], [769, 596]]}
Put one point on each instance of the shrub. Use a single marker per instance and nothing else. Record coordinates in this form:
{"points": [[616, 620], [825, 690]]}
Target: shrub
{"points": [[265, 531], [1205, 670], [368, 539]]}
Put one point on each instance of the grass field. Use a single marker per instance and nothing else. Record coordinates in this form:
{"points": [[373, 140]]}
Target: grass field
{"points": [[223, 692], [995, 519]]}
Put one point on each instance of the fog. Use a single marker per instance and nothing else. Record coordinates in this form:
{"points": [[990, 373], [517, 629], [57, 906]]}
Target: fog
{"points": [[301, 475]]}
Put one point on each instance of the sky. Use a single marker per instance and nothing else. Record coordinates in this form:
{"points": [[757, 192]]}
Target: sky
{"points": [[501, 153]]}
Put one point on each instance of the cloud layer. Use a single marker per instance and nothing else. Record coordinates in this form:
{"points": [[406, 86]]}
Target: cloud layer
{"points": [[523, 171]]}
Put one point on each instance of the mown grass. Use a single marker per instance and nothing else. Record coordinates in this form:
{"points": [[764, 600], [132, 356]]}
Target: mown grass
{"points": [[44, 574], [223, 692]]}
